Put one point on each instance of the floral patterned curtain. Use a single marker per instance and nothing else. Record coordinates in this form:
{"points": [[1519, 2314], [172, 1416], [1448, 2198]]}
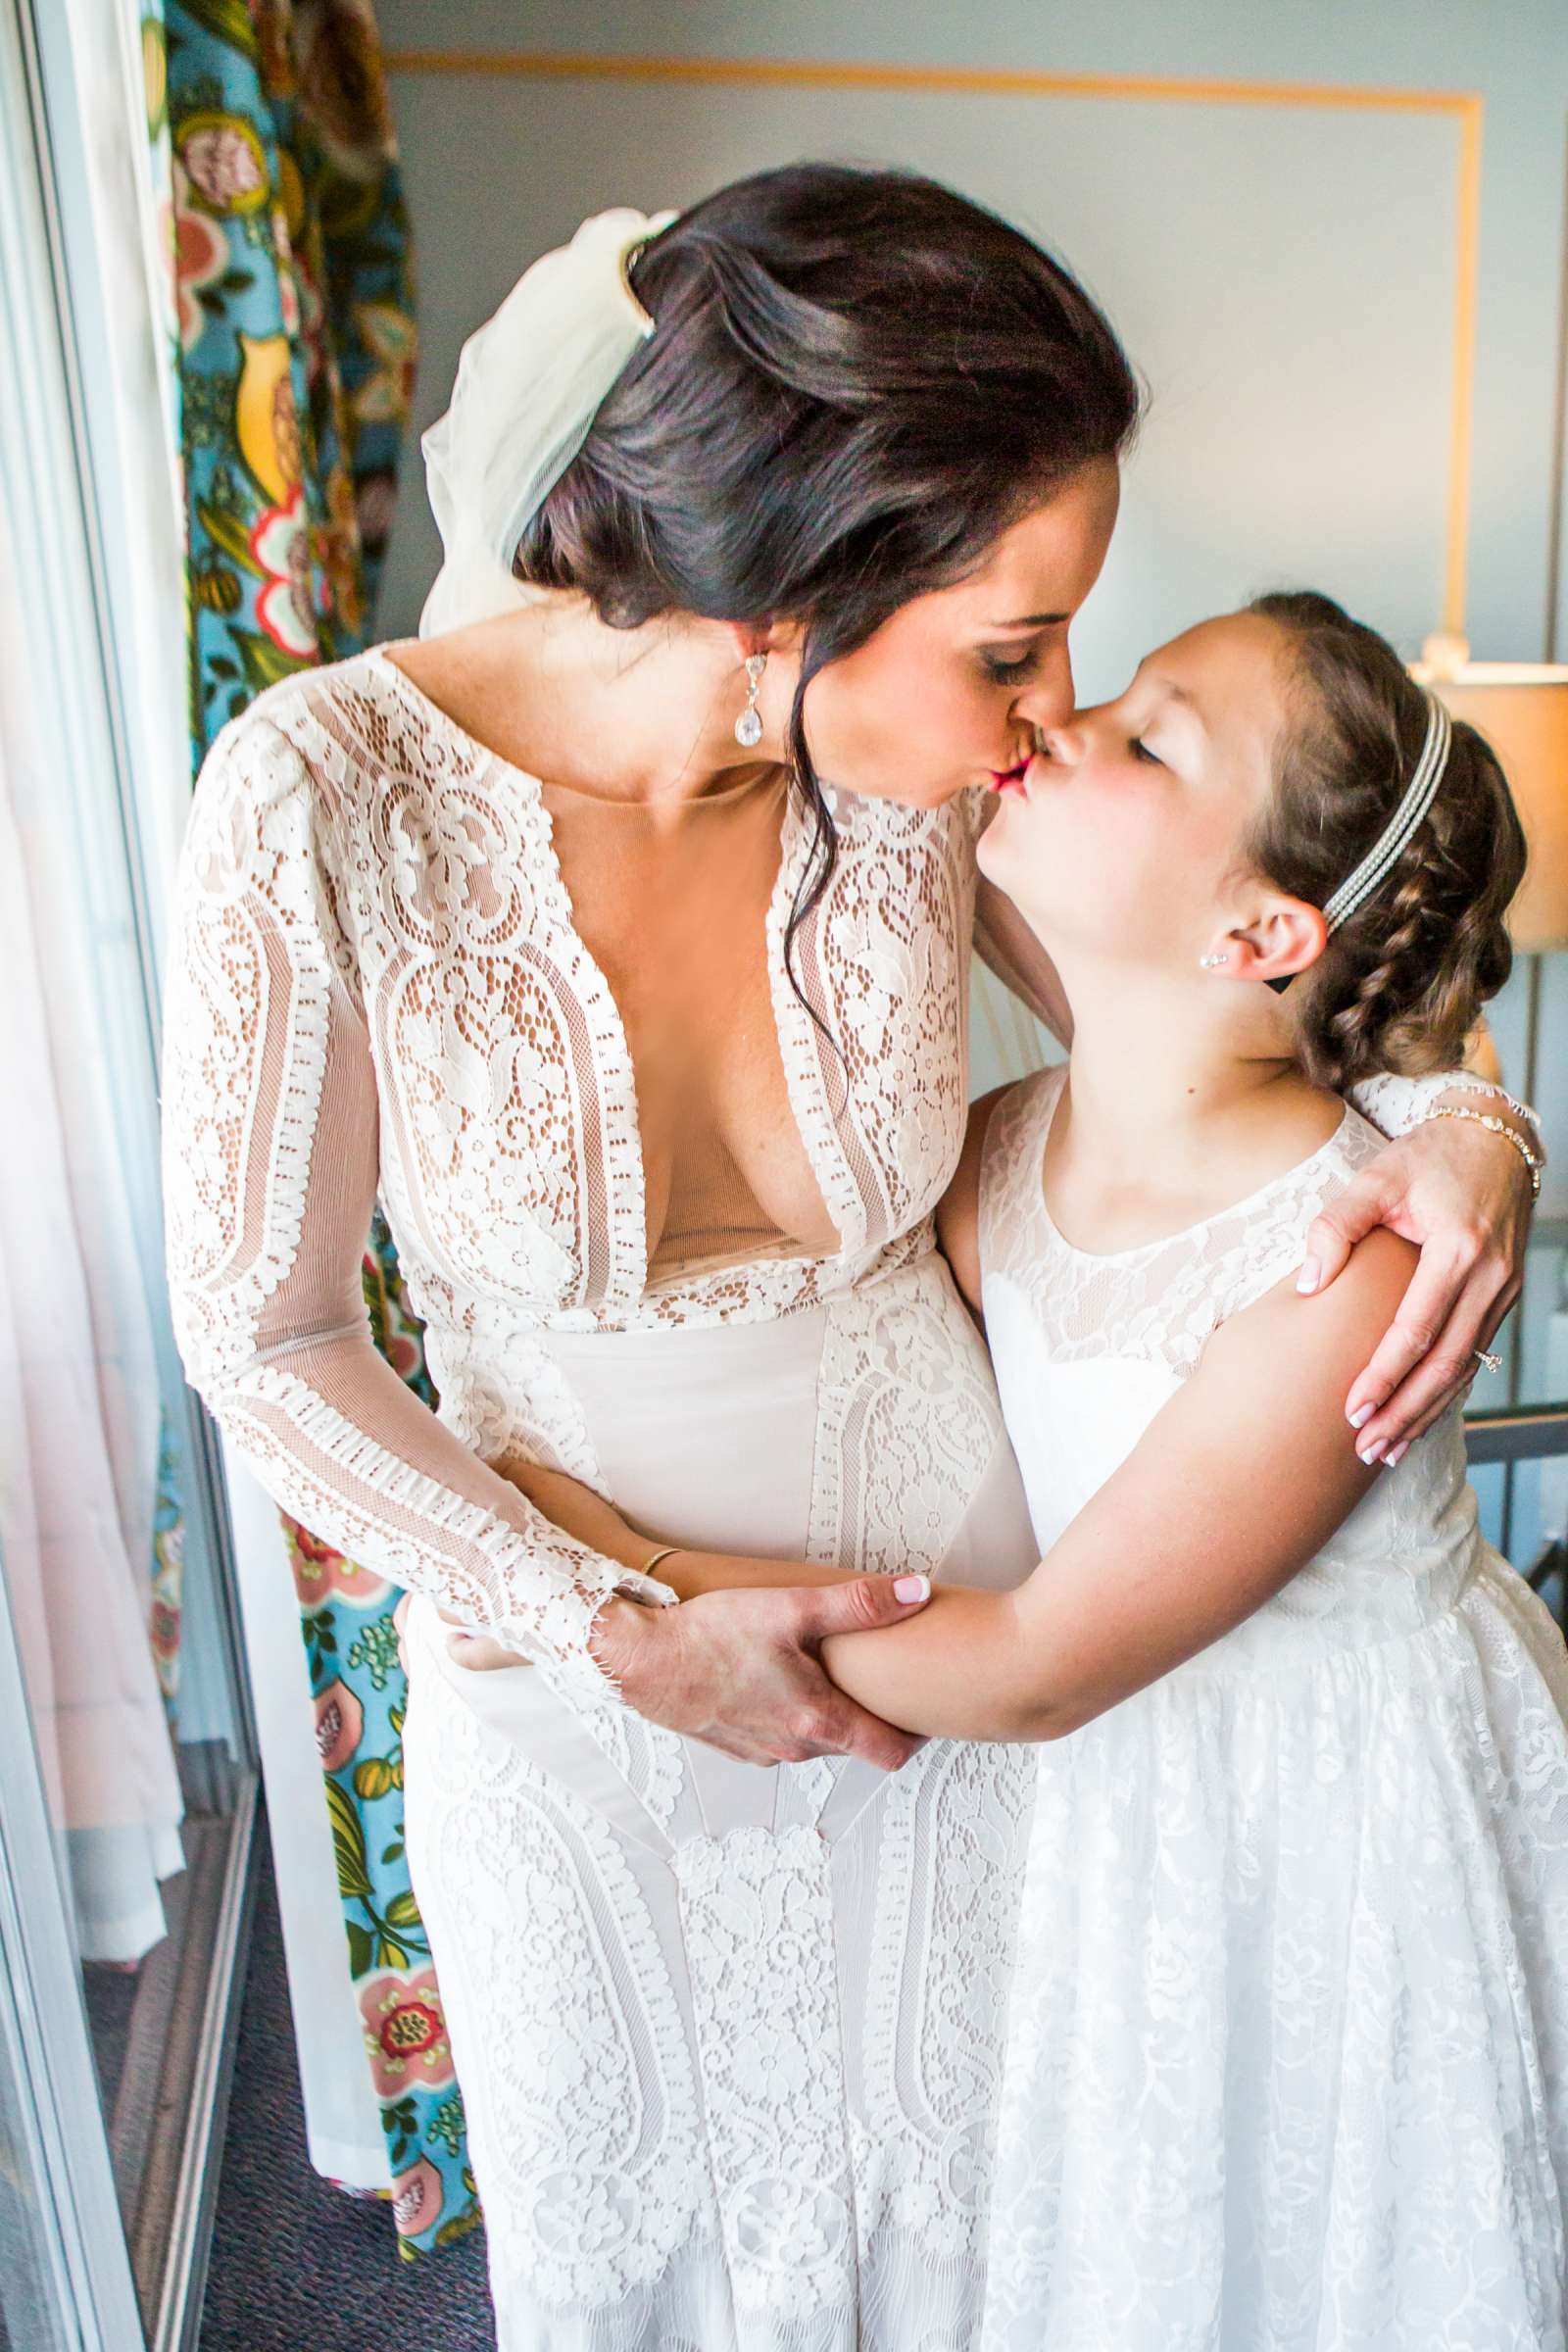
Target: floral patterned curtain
{"points": [[294, 325]]}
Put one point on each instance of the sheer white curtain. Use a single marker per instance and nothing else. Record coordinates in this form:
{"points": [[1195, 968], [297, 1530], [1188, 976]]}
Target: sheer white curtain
{"points": [[79, 1352], [78, 1381]]}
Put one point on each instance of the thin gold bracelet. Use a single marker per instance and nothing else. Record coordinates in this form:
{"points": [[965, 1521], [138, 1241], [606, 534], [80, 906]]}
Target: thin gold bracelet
{"points": [[666, 1551], [1495, 1126]]}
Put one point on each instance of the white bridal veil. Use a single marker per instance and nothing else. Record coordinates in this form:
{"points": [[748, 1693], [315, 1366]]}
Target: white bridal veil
{"points": [[529, 384]]}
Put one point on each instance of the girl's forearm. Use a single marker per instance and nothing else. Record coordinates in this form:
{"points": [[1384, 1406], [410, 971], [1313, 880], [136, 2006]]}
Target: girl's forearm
{"points": [[960, 1670]]}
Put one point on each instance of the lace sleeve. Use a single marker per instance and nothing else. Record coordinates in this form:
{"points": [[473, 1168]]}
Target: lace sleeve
{"points": [[269, 1174], [1395, 1104]]}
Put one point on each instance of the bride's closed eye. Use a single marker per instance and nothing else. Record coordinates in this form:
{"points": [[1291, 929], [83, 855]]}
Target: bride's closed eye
{"points": [[1141, 751], [1010, 673]]}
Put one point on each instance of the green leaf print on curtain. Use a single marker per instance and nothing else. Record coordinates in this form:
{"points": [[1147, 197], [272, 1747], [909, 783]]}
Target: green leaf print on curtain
{"points": [[293, 320]]}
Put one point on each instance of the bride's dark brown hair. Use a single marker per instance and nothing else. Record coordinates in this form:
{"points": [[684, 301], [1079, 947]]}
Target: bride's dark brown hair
{"points": [[1403, 980], [857, 381]]}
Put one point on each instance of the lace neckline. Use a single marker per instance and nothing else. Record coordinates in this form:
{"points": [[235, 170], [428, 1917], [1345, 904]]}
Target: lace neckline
{"points": [[794, 843], [767, 780], [1231, 1208]]}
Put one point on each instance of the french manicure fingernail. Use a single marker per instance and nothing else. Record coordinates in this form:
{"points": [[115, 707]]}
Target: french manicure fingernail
{"points": [[911, 1588], [1373, 1452], [1396, 1454], [1362, 1415], [1306, 1280]]}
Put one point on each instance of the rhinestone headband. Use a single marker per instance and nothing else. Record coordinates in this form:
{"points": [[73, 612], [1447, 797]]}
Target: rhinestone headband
{"points": [[1392, 843]]}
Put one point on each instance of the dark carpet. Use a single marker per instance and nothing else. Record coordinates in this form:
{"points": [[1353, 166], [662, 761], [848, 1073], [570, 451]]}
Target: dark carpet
{"points": [[297, 2266]]}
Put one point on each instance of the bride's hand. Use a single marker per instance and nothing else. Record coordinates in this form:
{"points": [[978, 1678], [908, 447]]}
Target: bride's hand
{"points": [[1463, 1195], [687, 1573], [742, 1669], [739, 1668]]}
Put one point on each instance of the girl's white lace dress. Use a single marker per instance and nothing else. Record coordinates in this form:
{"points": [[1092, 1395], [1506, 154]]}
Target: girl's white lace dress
{"points": [[727, 2037], [1288, 2054]]}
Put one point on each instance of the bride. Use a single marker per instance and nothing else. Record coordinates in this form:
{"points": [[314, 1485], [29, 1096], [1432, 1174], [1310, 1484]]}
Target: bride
{"points": [[546, 931]]}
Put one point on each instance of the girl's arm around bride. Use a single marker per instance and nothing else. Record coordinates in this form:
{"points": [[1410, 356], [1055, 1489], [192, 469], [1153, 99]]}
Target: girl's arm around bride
{"points": [[1237, 1481]]}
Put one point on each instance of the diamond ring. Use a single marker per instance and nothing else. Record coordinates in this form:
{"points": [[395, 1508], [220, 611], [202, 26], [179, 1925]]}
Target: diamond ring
{"points": [[1488, 1363]]}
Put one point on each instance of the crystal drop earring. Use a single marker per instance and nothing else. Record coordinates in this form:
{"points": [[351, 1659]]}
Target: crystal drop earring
{"points": [[749, 725]]}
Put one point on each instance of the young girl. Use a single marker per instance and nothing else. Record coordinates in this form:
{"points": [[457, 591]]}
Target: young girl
{"points": [[1288, 2052], [1288, 2060]]}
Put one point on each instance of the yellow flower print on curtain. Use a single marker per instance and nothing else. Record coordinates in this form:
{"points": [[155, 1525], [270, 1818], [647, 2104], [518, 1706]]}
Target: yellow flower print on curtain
{"points": [[297, 341]]}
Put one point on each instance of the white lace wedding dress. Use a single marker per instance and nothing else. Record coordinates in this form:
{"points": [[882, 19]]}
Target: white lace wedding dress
{"points": [[1288, 2055], [727, 2037]]}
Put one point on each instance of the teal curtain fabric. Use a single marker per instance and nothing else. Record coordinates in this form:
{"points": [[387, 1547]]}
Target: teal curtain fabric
{"points": [[291, 312]]}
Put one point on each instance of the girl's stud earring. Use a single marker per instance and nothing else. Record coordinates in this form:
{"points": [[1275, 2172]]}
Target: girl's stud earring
{"points": [[1206, 964], [749, 725]]}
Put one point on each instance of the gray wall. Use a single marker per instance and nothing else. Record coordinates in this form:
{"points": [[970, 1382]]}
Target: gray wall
{"points": [[1285, 276]]}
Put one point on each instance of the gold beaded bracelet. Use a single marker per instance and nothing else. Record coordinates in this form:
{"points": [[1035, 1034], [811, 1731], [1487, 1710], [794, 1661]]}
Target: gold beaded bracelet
{"points": [[1470, 1081], [1495, 1126]]}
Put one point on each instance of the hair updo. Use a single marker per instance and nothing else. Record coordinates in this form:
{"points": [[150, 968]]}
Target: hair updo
{"points": [[856, 381], [1401, 981]]}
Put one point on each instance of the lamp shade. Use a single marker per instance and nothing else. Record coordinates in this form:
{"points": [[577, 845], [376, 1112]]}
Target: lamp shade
{"points": [[1521, 707]]}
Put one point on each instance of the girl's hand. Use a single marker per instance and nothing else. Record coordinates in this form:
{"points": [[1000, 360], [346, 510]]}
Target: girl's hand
{"points": [[481, 1653], [477, 1650], [1462, 1196]]}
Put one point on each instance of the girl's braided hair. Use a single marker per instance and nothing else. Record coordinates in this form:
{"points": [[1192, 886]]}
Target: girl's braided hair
{"points": [[1401, 981]]}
